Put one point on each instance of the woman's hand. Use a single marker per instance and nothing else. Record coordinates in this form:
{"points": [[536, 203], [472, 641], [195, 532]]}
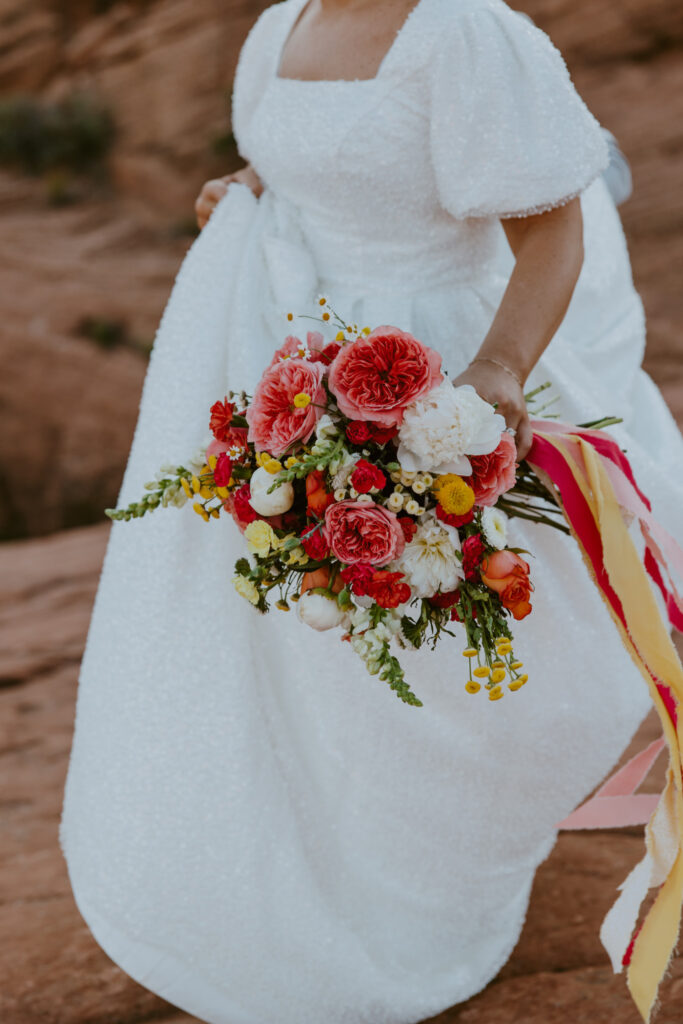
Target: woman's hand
{"points": [[213, 191], [500, 388]]}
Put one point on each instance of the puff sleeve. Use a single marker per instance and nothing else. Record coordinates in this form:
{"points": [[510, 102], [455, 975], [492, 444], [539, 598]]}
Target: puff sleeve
{"points": [[509, 134], [251, 74]]}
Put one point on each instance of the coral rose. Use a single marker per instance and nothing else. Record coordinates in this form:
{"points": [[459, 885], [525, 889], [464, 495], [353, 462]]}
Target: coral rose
{"points": [[378, 375], [494, 474], [360, 532], [508, 574], [317, 495], [275, 422]]}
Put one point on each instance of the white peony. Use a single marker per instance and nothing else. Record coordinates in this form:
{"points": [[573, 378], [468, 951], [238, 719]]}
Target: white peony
{"points": [[319, 611], [494, 525], [429, 562], [446, 425], [274, 504]]}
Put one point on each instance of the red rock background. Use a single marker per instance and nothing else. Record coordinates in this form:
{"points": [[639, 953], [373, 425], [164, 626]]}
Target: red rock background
{"points": [[68, 406]]}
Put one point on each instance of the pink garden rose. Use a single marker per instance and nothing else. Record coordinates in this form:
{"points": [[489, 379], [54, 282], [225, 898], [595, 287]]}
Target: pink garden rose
{"points": [[359, 532], [376, 377], [293, 347], [494, 474], [275, 423]]}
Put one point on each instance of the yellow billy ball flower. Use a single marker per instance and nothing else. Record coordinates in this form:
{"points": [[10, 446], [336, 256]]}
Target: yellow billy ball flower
{"points": [[496, 693], [272, 465], [246, 589], [260, 538], [482, 672], [455, 496], [472, 687], [498, 675], [301, 400]]}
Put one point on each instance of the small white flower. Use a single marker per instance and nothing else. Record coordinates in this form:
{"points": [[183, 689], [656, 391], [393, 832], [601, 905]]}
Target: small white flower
{"points": [[395, 477], [413, 508], [353, 493], [494, 525], [319, 611], [365, 499], [274, 504], [427, 479], [395, 502], [340, 494], [419, 487], [407, 477]]}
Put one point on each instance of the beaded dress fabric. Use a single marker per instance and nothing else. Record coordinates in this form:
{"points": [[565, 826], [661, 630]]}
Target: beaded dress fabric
{"points": [[254, 828]]}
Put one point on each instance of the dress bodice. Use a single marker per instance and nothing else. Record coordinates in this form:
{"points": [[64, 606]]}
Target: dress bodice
{"points": [[402, 178]]}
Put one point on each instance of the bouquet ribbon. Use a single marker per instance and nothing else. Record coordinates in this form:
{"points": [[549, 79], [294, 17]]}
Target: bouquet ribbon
{"points": [[595, 486]]}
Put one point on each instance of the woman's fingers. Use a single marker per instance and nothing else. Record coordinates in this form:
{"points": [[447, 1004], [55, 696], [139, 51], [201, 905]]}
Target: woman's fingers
{"points": [[207, 200], [524, 437]]}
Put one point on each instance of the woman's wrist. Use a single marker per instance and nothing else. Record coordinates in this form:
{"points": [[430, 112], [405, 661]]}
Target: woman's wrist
{"points": [[502, 365]]}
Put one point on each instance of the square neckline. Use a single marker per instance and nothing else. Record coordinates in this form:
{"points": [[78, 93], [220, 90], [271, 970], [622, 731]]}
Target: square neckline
{"points": [[290, 25]]}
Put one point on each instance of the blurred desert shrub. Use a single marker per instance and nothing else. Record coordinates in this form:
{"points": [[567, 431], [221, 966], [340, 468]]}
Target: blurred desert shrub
{"points": [[40, 137]]}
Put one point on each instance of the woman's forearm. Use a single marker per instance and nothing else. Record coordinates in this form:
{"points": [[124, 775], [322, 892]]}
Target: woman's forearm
{"points": [[548, 251]]}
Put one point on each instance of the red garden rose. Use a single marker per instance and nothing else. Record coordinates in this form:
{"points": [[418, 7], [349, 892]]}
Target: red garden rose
{"points": [[380, 434], [275, 422], [366, 476], [221, 416], [238, 505], [362, 532], [387, 589], [472, 552], [357, 577], [223, 470], [378, 375], [494, 474], [327, 355]]}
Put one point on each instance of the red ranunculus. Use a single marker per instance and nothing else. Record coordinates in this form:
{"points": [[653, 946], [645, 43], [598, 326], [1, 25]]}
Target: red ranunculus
{"points": [[376, 377], [366, 476], [362, 532], [317, 495], [223, 470], [357, 577], [409, 527], [387, 590], [494, 474], [445, 600], [472, 553], [238, 504], [358, 432], [221, 416], [314, 544], [452, 520]]}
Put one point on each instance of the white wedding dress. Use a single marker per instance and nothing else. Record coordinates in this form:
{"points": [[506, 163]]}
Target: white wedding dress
{"points": [[255, 829]]}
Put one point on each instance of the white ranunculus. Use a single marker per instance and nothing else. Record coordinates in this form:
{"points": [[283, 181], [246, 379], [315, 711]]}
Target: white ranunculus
{"points": [[494, 525], [274, 504], [319, 611], [446, 425], [429, 562]]}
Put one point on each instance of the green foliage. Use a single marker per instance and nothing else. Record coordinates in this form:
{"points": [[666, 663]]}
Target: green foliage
{"points": [[38, 136]]}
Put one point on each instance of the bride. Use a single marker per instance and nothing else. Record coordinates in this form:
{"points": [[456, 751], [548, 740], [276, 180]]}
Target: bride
{"points": [[255, 829]]}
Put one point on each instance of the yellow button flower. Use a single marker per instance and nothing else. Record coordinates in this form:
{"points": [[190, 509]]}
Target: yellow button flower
{"points": [[212, 460], [196, 486], [482, 672], [498, 675], [186, 487], [472, 687], [301, 400], [496, 693], [515, 685], [471, 652], [455, 496]]}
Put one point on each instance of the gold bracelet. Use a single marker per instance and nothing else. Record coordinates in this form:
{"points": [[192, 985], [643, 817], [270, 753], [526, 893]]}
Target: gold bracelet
{"points": [[502, 366]]}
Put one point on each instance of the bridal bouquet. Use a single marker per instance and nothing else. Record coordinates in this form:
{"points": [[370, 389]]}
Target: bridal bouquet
{"points": [[374, 496]]}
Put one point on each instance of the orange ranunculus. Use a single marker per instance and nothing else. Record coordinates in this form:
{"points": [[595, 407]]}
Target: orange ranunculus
{"points": [[320, 578], [318, 497], [508, 574]]}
